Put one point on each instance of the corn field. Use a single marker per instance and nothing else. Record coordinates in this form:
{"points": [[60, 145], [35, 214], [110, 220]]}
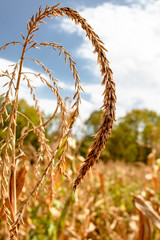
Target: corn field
{"points": [[43, 200]]}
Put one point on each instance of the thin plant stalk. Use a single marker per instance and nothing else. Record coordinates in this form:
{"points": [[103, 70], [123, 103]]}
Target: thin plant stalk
{"points": [[13, 199]]}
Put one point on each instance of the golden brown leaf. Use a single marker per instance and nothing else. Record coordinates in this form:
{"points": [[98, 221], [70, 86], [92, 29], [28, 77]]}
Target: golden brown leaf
{"points": [[147, 210], [20, 179]]}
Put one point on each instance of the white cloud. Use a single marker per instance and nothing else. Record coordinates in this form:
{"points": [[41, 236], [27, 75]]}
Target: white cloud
{"points": [[86, 108], [141, 2], [6, 64], [48, 105], [132, 36]]}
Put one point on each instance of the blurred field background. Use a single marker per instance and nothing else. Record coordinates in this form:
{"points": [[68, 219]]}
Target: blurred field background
{"points": [[119, 198]]}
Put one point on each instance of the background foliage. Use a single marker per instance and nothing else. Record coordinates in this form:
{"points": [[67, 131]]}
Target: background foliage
{"points": [[133, 136]]}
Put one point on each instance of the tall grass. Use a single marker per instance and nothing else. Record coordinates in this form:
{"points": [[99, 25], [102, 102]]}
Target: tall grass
{"points": [[13, 158]]}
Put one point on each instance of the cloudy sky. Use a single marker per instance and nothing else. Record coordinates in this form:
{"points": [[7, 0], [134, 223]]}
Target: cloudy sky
{"points": [[130, 30]]}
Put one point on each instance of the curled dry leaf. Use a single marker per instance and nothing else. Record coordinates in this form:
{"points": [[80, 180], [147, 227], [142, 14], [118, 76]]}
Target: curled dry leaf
{"points": [[20, 179], [145, 228], [6, 206], [147, 210]]}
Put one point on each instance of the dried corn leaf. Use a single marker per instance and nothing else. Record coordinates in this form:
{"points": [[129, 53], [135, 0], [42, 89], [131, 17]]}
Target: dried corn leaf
{"points": [[12, 191], [145, 228], [146, 209], [2, 209], [20, 178]]}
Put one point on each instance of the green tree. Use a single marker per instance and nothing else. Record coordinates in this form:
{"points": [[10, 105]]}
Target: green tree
{"points": [[122, 144], [132, 137], [29, 112], [93, 122], [92, 125]]}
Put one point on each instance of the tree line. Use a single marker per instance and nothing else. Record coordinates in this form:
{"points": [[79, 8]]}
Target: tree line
{"points": [[132, 139], [133, 136]]}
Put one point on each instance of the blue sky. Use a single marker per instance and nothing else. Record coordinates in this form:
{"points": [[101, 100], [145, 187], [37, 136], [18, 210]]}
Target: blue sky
{"points": [[130, 30]]}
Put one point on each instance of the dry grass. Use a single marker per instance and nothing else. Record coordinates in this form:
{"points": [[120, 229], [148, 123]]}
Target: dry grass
{"points": [[13, 158], [108, 205]]}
